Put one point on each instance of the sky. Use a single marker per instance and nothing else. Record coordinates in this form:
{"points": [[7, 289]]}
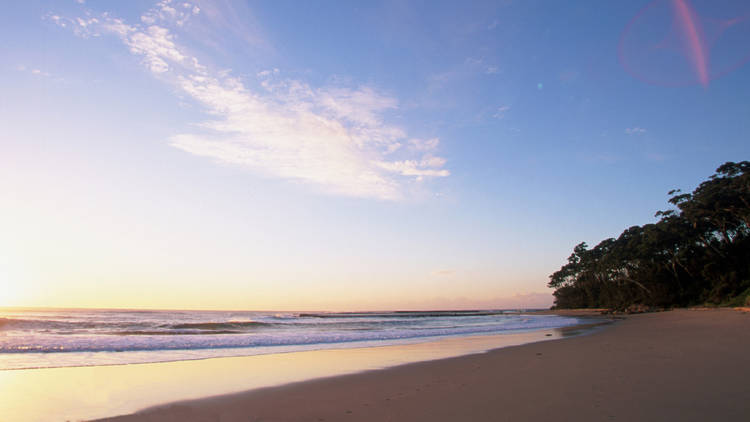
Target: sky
{"points": [[337, 155]]}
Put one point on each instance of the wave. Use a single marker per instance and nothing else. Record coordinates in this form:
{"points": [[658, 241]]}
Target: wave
{"points": [[322, 321], [156, 340], [401, 314], [125, 327], [218, 325], [172, 333], [17, 323]]}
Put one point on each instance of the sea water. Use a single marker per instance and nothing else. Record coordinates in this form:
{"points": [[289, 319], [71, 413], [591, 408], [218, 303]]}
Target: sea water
{"points": [[35, 338]]}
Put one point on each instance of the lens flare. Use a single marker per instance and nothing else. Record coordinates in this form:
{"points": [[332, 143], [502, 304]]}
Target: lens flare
{"points": [[678, 42], [691, 28]]}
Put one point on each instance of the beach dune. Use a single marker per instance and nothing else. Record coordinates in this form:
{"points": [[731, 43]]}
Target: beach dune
{"points": [[686, 365]]}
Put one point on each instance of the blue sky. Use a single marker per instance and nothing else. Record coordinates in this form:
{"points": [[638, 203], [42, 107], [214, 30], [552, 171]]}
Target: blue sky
{"points": [[348, 155]]}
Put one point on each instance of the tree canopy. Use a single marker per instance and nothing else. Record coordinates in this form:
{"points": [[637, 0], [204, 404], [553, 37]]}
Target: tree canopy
{"points": [[697, 253]]}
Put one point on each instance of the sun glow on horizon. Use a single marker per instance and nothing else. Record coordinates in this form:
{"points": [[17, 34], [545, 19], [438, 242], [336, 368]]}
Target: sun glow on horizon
{"points": [[12, 289]]}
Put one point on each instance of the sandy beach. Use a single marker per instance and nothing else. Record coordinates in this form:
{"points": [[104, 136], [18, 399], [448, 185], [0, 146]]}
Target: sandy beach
{"points": [[688, 365]]}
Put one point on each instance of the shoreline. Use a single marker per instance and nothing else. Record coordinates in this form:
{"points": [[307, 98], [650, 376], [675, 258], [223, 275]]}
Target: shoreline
{"points": [[107, 390], [680, 364], [138, 345], [238, 352]]}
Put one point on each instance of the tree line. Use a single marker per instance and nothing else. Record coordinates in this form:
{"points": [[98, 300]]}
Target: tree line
{"points": [[697, 253]]}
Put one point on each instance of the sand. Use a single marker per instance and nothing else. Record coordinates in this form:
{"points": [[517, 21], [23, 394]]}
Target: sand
{"points": [[687, 365]]}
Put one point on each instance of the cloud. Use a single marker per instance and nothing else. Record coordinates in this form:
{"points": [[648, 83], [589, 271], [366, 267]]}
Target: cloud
{"points": [[635, 130], [157, 47], [420, 169], [478, 64], [227, 25], [500, 113], [267, 72], [37, 72], [530, 300], [169, 11], [83, 27], [424, 144], [333, 137]]}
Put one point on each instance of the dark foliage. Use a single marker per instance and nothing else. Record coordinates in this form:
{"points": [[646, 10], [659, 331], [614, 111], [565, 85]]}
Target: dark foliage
{"points": [[697, 253]]}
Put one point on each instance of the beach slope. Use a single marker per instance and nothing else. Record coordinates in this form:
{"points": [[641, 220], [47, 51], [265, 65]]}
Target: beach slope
{"points": [[687, 365]]}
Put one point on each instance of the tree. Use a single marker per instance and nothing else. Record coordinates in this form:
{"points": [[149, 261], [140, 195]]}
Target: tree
{"points": [[698, 252]]}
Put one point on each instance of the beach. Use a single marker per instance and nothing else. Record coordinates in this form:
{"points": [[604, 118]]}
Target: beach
{"points": [[75, 386], [688, 365]]}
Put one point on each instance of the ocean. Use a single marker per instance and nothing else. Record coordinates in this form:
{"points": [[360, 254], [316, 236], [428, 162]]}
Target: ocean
{"points": [[67, 338]]}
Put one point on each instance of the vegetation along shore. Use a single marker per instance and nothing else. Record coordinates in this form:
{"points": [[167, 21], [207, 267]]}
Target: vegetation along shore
{"points": [[698, 253]]}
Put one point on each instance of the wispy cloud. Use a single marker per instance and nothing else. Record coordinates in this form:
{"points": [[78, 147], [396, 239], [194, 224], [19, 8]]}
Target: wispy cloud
{"points": [[500, 113], [33, 71], [424, 144], [479, 64], [168, 11], [635, 130], [332, 137]]}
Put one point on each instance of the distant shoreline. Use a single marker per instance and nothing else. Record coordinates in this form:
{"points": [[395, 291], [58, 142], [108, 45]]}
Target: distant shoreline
{"points": [[686, 364]]}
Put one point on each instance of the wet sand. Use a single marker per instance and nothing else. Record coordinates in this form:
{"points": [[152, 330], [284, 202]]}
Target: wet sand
{"points": [[687, 365], [91, 392]]}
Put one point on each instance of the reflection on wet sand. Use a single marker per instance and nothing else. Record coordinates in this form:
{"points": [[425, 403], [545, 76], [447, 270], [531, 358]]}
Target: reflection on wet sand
{"points": [[99, 391]]}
